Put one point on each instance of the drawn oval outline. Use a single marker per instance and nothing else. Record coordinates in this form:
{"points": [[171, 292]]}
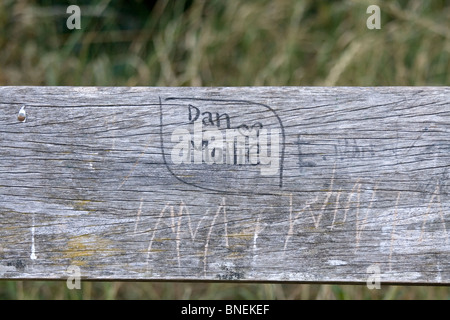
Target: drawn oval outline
{"points": [[219, 100]]}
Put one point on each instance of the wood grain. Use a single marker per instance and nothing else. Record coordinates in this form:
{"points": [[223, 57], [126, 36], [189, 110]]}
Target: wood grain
{"points": [[360, 179]]}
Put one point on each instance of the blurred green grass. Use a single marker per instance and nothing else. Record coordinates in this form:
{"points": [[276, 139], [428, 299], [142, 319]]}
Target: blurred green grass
{"points": [[222, 43], [225, 43], [31, 290]]}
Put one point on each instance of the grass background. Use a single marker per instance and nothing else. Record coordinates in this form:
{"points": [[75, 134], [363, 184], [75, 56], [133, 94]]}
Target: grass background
{"points": [[222, 43]]}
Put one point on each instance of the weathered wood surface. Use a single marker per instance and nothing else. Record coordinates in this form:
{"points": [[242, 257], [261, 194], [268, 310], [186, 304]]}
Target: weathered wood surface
{"points": [[360, 179]]}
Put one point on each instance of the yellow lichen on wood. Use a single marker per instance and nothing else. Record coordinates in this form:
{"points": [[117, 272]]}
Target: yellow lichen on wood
{"points": [[81, 248]]}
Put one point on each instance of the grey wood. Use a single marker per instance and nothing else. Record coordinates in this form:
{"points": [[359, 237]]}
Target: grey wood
{"points": [[360, 180]]}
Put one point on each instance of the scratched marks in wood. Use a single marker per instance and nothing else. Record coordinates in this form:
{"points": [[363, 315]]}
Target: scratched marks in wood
{"points": [[361, 179]]}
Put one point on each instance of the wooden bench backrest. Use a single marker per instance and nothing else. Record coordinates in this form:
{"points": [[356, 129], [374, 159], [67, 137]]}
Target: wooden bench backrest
{"points": [[297, 184]]}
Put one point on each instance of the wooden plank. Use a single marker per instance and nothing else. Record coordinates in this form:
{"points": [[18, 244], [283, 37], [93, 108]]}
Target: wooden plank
{"points": [[333, 183]]}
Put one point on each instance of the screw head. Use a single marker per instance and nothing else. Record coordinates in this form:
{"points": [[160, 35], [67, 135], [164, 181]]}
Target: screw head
{"points": [[22, 116]]}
